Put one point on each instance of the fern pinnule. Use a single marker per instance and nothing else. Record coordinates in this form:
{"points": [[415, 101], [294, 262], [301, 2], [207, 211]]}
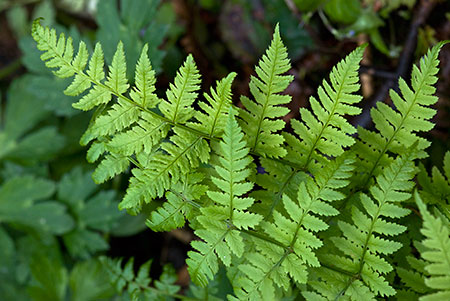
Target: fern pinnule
{"points": [[144, 91], [58, 52], [214, 116], [220, 221], [181, 203], [437, 252], [258, 116], [182, 93], [324, 132]]}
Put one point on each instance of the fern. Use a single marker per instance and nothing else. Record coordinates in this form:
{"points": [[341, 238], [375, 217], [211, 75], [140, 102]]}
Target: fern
{"points": [[257, 119], [221, 221], [320, 218], [323, 133], [437, 252]]}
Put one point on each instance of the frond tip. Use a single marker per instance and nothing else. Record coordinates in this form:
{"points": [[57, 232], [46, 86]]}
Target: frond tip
{"points": [[258, 119], [325, 132]]}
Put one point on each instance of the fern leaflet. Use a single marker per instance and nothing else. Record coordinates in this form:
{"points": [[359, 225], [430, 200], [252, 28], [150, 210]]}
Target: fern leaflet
{"points": [[258, 119], [220, 222]]}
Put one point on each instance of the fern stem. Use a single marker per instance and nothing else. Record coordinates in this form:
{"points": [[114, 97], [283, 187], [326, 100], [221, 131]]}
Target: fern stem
{"points": [[183, 197], [280, 193], [263, 237], [136, 163], [338, 270]]}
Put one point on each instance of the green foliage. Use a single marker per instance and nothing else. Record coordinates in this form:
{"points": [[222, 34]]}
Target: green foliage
{"points": [[325, 216], [137, 286]]}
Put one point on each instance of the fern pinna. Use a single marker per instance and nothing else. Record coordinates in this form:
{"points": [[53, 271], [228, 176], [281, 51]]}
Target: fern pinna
{"points": [[323, 217]]}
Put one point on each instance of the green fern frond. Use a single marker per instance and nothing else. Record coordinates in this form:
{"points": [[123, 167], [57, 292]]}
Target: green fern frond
{"points": [[273, 265], [182, 93], [365, 240], [258, 118], [179, 205], [220, 222], [437, 254], [325, 132], [214, 116], [398, 128]]}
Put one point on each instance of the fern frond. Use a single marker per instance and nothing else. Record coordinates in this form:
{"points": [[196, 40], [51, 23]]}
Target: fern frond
{"points": [[181, 155], [437, 253], [398, 128], [221, 221], [182, 93], [258, 118], [365, 239], [144, 92], [179, 205], [214, 116], [273, 265], [325, 132]]}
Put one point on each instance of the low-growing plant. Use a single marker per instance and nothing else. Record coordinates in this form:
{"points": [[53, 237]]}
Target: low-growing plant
{"points": [[320, 211]]}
